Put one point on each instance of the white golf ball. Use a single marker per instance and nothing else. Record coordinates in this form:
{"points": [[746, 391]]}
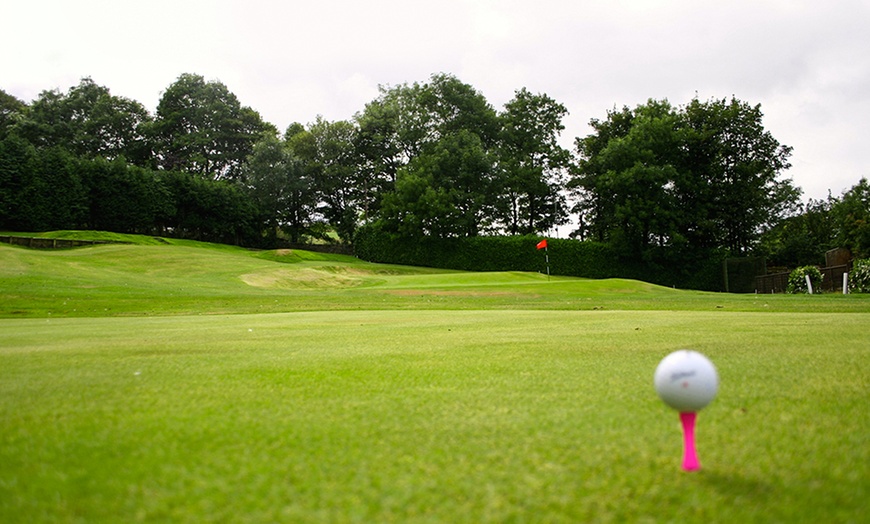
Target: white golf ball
{"points": [[686, 380]]}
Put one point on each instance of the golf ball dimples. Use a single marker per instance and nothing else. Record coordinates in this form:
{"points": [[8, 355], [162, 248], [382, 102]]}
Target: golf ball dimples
{"points": [[686, 380]]}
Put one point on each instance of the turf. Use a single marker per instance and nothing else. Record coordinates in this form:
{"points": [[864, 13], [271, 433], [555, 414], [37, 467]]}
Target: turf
{"points": [[173, 277], [363, 393]]}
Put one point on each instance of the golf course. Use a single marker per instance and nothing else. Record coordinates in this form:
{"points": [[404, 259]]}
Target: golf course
{"points": [[162, 380]]}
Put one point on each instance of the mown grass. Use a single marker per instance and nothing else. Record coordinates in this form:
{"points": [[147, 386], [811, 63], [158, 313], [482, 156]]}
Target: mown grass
{"points": [[175, 277], [395, 394]]}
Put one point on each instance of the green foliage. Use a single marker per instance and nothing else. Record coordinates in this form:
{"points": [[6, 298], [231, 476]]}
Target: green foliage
{"points": [[426, 159], [802, 239], [797, 282], [125, 198], [586, 259], [202, 128], [211, 211], [16, 167], [822, 225], [706, 175], [330, 165], [450, 165], [533, 162], [859, 277], [88, 121], [851, 218], [742, 272], [446, 191], [40, 189], [11, 111], [277, 182], [56, 197], [441, 138], [46, 189]]}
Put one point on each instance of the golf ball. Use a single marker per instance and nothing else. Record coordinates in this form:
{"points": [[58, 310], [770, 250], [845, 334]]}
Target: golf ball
{"points": [[686, 380]]}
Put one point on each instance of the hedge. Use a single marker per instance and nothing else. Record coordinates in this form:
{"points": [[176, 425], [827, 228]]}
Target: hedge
{"points": [[584, 259]]}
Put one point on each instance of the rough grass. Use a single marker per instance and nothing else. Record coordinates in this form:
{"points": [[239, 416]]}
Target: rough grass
{"points": [[410, 395]]}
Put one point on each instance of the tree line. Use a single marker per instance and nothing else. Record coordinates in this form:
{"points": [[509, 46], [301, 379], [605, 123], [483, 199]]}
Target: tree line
{"points": [[429, 159]]}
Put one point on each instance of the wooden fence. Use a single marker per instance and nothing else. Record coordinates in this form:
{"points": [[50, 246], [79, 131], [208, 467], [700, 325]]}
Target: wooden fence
{"points": [[63, 243], [832, 280], [772, 283], [51, 243]]}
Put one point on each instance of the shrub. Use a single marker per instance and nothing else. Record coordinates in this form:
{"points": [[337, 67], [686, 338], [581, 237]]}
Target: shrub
{"points": [[586, 259], [797, 281], [859, 277]]}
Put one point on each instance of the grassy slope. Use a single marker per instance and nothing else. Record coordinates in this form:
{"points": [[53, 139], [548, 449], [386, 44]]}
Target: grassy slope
{"points": [[405, 394], [172, 277]]}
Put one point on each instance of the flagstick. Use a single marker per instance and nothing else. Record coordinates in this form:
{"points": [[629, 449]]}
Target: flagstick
{"points": [[547, 257], [690, 456]]}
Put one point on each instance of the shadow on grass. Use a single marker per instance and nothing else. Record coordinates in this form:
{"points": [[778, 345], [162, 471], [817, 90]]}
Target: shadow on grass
{"points": [[738, 488]]}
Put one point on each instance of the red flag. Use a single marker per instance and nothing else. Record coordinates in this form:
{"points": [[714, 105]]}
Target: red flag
{"points": [[542, 244]]}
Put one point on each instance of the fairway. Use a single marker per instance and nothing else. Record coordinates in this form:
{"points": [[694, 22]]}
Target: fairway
{"points": [[196, 383]]}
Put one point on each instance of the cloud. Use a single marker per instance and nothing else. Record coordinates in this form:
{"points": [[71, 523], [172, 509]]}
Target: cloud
{"points": [[804, 61]]}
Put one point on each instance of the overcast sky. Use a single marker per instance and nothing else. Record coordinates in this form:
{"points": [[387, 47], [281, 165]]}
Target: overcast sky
{"points": [[807, 62]]}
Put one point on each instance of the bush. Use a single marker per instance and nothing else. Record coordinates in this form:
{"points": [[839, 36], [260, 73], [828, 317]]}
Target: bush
{"points": [[586, 259], [859, 277], [797, 280]]}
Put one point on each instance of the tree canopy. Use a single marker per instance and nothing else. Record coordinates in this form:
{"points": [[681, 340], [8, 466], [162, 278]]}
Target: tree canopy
{"points": [[706, 175], [533, 162], [425, 159], [458, 167], [88, 121], [202, 128]]}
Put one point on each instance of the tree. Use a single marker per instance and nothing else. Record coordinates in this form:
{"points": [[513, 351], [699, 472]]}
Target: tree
{"points": [[534, 163], [630, 178], [276, 180], [47, 190], [450, 106], [740, 165], [851, 217], [413, 129], [328, 152], [803, 239], [449, 190], [595, 207], [210, 210], [705, 176], [17, 165], [201, 127], [88, 121], [124, 198], [390, 133], [11, 110]]}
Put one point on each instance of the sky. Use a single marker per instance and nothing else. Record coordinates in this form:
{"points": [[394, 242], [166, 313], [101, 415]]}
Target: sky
{"points": [[807, 63]]}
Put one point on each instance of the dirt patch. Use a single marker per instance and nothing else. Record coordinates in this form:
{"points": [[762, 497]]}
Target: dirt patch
{"points": [[307, 278], [420, 292]]}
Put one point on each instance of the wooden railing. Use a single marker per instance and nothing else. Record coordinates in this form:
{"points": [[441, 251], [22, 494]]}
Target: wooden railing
{"points": [[51, 243], [832, 280]]}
